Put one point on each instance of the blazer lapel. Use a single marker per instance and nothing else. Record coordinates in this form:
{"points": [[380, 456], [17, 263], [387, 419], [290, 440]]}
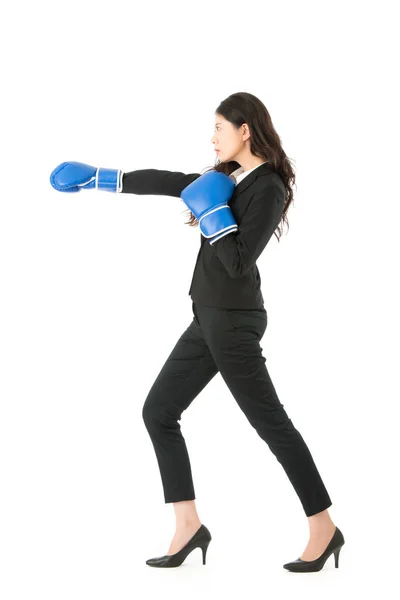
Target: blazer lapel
{"points": [[240, 199], [251, 177]]}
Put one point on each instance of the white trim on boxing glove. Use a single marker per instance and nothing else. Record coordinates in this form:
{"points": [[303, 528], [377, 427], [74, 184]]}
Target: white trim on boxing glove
{"points": [[232, 224], [230, 230], [118, 182], [212, 210]]}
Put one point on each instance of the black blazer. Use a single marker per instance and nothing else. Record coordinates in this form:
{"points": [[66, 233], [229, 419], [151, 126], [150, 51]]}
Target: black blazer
{"points": [[226, 274]]}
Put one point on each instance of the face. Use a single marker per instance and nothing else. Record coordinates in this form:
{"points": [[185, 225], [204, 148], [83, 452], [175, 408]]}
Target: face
{"points": [[228, 140]]}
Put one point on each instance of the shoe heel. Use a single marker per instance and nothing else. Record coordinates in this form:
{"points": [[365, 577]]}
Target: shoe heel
{"points": [[204, 547], [336, 553]]}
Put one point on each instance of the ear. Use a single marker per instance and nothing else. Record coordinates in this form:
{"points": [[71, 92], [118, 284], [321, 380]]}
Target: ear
{"points": [[246, 132]]}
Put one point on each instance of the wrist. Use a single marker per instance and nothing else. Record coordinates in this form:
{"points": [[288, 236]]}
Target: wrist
{"points": [[109, 180]]}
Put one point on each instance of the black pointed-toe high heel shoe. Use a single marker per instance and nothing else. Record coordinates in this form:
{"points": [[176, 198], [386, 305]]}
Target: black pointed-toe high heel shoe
{"points": [[201, 539], [307, 566]]}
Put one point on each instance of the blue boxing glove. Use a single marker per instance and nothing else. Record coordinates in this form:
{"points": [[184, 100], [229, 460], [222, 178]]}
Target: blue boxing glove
{"points": [[207, 197], [72, 176]]}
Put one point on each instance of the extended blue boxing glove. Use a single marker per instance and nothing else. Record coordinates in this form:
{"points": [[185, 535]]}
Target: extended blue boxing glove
{"points": [[207, 197], [72, 176]]}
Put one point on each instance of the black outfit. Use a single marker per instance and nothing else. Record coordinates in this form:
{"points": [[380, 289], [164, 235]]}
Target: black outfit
{"points": [[229, 320], [225, 274]]}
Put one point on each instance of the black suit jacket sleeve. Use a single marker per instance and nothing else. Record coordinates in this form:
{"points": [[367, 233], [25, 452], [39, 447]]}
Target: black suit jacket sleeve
{"points": [[156, 182], [238, 251]]}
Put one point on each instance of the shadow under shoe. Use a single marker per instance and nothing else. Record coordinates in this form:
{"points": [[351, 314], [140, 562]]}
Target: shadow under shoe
{"points": [[307, 566], [200, 539]]}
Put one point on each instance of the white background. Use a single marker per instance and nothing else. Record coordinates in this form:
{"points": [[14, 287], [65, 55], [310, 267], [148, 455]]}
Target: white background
{"points": [[94, 295]]}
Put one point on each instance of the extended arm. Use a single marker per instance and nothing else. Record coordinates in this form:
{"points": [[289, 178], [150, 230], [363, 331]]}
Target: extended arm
{"points": [[75, 176], [156, 182]]}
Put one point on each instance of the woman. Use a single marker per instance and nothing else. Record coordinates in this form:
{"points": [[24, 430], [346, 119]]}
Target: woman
{"points": [[229, 320]]}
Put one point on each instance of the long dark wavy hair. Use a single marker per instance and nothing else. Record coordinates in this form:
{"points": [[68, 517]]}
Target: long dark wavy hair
{"points": [[265, 143]]}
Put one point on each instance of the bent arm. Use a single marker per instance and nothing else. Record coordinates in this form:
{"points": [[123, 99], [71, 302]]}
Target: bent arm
{"points": [[239, 250]]}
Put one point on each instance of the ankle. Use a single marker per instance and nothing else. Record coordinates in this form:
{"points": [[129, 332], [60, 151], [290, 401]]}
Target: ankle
{"points": [[320, 522], [321, 528], [186, 514], [188, 523]]}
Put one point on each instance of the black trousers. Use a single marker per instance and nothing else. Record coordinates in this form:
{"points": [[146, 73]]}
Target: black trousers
{"points": [[225, 341]]}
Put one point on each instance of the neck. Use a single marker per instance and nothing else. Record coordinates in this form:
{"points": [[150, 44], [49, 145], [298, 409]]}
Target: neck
{"points": [[250, 162]]}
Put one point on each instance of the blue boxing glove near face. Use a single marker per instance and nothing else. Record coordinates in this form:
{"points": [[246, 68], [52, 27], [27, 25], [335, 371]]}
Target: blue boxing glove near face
{"points": [[207, 197]]}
